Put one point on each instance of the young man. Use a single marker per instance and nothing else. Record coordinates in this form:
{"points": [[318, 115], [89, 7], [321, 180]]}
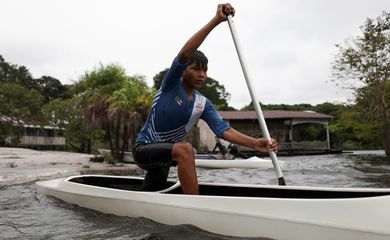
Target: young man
{"points": [[176, 107]]}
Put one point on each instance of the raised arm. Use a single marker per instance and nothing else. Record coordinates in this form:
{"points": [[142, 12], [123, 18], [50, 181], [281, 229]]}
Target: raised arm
{"points": [[197, 39]]}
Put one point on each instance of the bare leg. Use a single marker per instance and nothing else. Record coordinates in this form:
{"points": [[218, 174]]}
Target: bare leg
{"points": [[183, 154]]}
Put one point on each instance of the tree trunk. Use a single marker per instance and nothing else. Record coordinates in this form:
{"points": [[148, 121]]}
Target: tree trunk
{"points": [[89, 145], [125, 143], [82, 145], [386, 122], [109, 137], [116, 141], [386, 139]]}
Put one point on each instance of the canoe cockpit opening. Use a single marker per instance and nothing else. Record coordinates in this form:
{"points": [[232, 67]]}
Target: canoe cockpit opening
{"points": [[135, 184]]}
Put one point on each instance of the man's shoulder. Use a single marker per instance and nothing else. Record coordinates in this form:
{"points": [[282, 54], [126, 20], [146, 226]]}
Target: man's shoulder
{"points": [[204, 98], [198, 94]]}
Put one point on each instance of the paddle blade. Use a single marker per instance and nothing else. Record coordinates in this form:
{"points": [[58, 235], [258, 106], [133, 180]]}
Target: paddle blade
{"points": [[281, 181]]}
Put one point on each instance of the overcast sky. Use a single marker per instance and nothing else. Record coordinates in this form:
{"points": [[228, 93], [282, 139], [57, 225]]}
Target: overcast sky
{"points": [[288, 44]]}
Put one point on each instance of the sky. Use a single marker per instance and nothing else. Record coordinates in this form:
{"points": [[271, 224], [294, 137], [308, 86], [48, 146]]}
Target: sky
{"points": [[288, 45]]}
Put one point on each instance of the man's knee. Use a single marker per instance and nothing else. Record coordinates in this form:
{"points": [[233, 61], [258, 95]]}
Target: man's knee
{"points": [[181, 151]]}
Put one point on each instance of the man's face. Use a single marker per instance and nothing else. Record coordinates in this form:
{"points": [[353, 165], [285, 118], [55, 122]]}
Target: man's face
{"points": [[195, 75]]}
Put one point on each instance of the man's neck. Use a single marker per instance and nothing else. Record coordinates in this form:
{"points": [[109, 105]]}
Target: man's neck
{"points": [[189, 91]]}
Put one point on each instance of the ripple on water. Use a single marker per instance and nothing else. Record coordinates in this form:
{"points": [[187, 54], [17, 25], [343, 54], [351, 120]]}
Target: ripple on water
{"points": [[26, 214]]}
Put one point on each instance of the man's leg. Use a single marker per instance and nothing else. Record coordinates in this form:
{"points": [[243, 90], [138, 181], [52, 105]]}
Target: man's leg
{"points": [[155, 179], [183, 154], [155, 159]]}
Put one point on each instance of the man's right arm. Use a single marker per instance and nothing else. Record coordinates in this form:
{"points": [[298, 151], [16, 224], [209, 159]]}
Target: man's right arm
{"points": [[197, 39]]}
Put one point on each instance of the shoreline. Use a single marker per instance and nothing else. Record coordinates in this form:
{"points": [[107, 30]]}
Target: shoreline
{"points": [[21, 166]]}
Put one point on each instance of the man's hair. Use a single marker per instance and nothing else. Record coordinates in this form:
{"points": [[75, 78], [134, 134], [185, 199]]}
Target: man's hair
{"points": [[199, 59]]}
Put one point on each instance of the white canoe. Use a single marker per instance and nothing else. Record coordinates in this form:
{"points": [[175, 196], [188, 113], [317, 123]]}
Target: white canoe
{"points": [[253, 162], [279, 212]]}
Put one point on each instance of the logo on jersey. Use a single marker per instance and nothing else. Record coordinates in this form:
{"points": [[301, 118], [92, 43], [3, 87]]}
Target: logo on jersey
{"points": [[178, 100], [199, 107]]}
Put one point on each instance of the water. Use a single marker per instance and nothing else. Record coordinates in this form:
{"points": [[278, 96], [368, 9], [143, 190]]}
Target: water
{"points": [[27, 214]]}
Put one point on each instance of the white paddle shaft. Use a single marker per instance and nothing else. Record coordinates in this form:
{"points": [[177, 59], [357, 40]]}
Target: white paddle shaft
{"points": [[255, 101]]}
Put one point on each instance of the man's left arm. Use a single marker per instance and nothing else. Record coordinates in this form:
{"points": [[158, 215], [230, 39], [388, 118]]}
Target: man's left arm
{"points": [[223, 130], [259, 144]]}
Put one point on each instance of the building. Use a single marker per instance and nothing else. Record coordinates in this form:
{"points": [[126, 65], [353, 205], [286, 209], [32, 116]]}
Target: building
{"points": [[34, 136], [281, 124]]}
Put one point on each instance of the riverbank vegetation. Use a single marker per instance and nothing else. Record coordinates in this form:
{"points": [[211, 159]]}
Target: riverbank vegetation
{"points": [[105, 107]]}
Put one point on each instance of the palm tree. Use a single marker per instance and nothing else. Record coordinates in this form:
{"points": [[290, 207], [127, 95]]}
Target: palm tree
{"points": [[114, 102], [94, 89], [127, 111]]}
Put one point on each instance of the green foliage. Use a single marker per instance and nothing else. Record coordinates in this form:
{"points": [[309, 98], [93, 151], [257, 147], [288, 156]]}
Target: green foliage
{"points": [[216, 93], [64, 114], [158, 78], [296, 107], [129, 106], [61, 112], [105, 79], [365, 59], [353, 132], [11, 73], [332, 109], [108, 158], [51, 88], [19, 103], [309, 132], [114, 102]]}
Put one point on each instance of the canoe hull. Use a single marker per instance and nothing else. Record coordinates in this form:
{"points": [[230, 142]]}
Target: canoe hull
{"points": [[236, 216], [253, 162], [212, 162]]}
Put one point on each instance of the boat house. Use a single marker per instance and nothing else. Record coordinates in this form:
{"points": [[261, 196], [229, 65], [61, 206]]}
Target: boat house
{"points": [[296, 131]]}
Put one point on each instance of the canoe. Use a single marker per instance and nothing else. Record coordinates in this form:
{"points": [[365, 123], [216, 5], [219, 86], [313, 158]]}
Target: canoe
{"points": [[242, 210], [212, 161], [253, 162]]}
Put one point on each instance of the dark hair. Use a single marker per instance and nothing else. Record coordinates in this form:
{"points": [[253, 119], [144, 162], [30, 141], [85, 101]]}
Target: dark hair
{"points": [[199, 59]]}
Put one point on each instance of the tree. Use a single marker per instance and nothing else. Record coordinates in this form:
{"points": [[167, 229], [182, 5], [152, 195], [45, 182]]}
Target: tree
{"points": [[353, 134], [114, 102], [11, 73], [211, 89], [332, 109], [287, 107], [366, 60], [93, 91], [127, 111], [64, 114], [19, 105], [51, 88]]}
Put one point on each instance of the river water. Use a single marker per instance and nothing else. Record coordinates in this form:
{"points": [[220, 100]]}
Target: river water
{"points": [[27, 214]]}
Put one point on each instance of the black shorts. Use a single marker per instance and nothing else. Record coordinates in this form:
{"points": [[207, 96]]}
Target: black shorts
{"points": [[153, 155], [156, 159]]}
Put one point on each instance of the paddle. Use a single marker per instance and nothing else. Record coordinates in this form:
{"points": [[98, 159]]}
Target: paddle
{"points": [[255, 101]]}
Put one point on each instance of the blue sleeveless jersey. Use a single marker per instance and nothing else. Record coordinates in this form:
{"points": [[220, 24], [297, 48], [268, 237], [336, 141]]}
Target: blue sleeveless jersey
{"points": [[172, 115]]}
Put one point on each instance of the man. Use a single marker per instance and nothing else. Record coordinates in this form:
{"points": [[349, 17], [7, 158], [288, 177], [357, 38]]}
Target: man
{"points": [[176, 107]]}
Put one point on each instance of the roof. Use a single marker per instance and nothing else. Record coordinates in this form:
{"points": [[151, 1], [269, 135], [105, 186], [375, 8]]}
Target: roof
{"points": [[273, 114], [27, 125]]}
